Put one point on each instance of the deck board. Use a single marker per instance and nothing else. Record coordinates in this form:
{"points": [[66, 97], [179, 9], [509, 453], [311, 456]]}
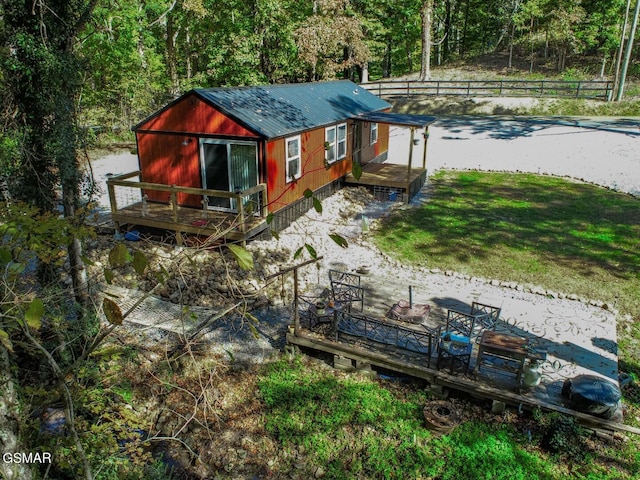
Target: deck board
{"points": [[385, 175]]}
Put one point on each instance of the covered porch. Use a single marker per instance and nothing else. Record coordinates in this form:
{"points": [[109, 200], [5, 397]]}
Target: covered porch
{"points": [[395, 180]]}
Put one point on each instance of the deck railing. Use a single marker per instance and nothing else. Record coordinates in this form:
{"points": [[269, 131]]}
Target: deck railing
{"points": [[387, 332], [129, 200], [596, 89]]}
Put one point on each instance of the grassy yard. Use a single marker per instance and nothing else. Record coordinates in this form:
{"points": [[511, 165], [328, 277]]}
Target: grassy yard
{"points": [[351, 427], [540, 230]]}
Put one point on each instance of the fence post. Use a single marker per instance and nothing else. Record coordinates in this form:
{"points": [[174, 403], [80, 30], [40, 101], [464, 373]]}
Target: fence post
{"points": [[468, 87], [501, 85], [114, 205], [578, 89], [541, 88], [174, 204]]}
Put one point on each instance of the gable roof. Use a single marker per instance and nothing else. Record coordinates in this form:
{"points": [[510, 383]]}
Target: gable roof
{"points": [[281, 110]]}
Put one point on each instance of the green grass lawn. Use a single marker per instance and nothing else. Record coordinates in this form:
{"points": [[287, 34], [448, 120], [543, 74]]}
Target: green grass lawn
{"points": [[564, 236], [354, 427]]}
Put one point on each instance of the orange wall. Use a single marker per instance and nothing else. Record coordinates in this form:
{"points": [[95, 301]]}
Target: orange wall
{"points": [[369, 152], [314, 173]]}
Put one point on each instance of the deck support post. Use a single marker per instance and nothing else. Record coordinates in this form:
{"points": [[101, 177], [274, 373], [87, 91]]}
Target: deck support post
{"points": [[174, 204], [424, 150], [113, 202], [413, 134]]}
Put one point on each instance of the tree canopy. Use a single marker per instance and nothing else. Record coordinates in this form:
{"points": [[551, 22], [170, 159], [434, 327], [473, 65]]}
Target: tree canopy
{"points": [[138, 54]]}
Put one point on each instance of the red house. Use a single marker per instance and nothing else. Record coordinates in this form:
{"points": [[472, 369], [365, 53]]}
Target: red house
{"points": [[221, 159]]}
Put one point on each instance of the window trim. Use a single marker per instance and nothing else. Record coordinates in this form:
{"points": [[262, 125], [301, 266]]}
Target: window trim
{"points": [[373, 139], [288, 158], [337, 142]]}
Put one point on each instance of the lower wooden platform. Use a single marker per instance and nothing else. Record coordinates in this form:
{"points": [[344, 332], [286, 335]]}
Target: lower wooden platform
{"points": [[389, 178], [416, 365]]}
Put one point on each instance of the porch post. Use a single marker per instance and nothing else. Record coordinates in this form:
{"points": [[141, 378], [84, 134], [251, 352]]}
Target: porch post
{"points": [[424, 152], [114, 205], [413, 134]]}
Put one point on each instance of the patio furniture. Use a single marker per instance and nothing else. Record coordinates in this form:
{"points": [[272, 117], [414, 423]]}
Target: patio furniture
{"points": [[318, 310], [414, 338], [487, 316], [346, 289], [455, 342], [503, 352]]}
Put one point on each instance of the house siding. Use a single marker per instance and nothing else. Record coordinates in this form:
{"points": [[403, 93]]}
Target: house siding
{"points": [[165, 160], [192, 115], [314, 172], [373, 153]]}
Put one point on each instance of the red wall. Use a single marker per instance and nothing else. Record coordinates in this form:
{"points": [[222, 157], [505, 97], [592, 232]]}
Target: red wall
{"points": [[192, 115], [165, 160], [314, 173]]}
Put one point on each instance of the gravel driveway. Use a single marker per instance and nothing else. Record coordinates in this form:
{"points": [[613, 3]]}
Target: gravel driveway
{"points": [[603, 151]]}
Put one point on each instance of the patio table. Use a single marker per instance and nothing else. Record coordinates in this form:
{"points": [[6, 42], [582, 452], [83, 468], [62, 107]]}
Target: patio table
{"points": [[504, 352]]}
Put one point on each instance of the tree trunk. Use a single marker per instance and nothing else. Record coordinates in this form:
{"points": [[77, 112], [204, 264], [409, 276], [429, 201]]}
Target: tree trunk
{"points": [[172, 68], [621, 46], [9, 421], [425, 62], [627, 53], [386, 63], [463, 48], [447, 32]]}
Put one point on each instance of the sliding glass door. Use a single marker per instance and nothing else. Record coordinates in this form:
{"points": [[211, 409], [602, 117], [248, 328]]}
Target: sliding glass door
{"points": [[230, 166]]}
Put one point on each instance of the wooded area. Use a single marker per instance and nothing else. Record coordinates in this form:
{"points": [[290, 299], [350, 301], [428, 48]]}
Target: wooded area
{"points": [[139, 54]]}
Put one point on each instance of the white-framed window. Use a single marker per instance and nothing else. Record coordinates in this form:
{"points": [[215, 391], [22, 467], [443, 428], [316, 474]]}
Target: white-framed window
{"points": [[335, 142], [293, 153], [373, 137]]}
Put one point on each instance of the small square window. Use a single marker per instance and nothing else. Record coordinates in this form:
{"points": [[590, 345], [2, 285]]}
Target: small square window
{"points": [[373, 138]]}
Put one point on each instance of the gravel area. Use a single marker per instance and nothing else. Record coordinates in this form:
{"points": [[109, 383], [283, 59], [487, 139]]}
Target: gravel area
{"points": [[605, 152]]}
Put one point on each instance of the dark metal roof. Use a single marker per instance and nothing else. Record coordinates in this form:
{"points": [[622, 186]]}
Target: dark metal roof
{"points": [[402, 119], [280, 110]]}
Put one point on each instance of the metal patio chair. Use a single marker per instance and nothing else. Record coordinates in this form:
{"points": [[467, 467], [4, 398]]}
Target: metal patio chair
{"points": [[346, 289], [455, 344]]}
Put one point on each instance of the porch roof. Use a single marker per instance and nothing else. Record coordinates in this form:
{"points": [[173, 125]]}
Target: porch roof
{"points": [[402, 119]]}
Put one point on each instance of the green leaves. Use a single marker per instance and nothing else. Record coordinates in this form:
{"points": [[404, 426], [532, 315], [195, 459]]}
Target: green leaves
{"points": [[139, 262], [340, 240], [317, 205], [356, 170], [119, 255], [6, 341], [35, 312], [309, 248], [112, 312], [242, 256]]}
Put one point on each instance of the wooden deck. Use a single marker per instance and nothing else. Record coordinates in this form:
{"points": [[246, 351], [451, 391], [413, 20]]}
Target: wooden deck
{"points": [[574, 341], [416, 366], [129, 206], [390, 180], [190, 220]]}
